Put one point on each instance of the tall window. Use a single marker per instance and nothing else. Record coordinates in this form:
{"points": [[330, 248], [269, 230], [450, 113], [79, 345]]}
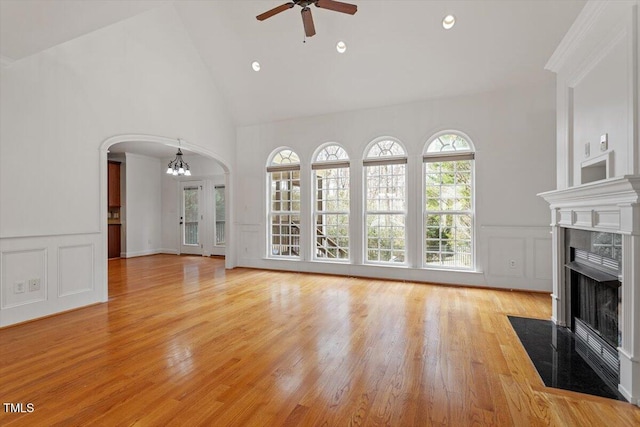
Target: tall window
{"points": [[331, 203], [220, 214], [448, 202], [385, 171], [283, 174]]}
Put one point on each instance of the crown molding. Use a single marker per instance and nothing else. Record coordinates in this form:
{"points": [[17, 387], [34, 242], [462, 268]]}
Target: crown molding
{"points": [[578, 31]]}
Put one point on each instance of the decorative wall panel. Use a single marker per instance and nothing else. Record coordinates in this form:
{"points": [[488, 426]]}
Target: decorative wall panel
{"points": [[23, 277], [75, 269]]}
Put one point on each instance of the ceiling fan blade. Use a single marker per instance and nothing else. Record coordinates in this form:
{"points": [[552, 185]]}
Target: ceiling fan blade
{"points": [[338, 6], [307, 20], [274, 11]]}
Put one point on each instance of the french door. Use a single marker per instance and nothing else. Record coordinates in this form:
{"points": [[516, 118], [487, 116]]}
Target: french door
{"points": [[191, 217]]}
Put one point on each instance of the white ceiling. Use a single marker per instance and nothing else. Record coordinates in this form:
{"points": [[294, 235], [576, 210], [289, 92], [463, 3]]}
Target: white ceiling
{"points": [[398, 51]]}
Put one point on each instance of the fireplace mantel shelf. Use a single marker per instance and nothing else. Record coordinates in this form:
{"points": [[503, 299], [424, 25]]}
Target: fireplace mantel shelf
{"points": [[611, 205], [613, 191]]}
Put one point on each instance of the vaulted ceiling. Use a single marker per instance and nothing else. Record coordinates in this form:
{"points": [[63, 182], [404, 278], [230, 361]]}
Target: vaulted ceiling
{"points": [[397, 52]]}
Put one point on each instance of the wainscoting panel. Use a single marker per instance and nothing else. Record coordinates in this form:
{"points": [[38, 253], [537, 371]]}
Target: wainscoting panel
{"points": [[248, 249], [75, 269], [44, 275], [507, 256], [516, 257], [510, 257], [542, 259], [23, 277]]}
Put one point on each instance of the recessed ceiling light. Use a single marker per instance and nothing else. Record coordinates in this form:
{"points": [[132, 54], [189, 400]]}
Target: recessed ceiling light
{"points": [[255, 65], [341, 47], [448, 22]]}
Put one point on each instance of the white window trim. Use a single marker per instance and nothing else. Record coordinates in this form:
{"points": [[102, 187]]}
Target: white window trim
{"points": [[323, 165], [270, 169], [315, 212], [379, 161], [449, 156]]}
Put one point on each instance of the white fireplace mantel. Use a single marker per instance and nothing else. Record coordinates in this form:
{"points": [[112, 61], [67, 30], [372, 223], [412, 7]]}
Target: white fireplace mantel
{"points": [[610, 205]]}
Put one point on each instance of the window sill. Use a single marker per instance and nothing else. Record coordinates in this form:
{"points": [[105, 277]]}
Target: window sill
{"points": [[455, 269]]}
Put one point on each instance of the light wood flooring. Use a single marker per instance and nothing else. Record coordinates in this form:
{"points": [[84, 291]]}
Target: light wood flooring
{"points": [[183, 342]]}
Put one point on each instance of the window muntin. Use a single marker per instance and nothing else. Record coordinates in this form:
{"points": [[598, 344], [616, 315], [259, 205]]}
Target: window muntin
{"points": [[385, 202], [448, 203], [447, 143], [331, 153], [386, 148], [285, 157], [284, 205], [331, 204]]}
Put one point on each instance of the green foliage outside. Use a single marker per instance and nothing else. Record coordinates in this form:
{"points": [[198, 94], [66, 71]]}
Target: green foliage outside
{"points": [[448, 223]]}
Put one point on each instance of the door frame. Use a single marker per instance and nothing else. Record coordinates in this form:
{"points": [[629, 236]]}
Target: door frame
{"points": [[101, 218], [197, 249]]}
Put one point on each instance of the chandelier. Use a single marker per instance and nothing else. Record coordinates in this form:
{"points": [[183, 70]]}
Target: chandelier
{"points": [[178, 166]]}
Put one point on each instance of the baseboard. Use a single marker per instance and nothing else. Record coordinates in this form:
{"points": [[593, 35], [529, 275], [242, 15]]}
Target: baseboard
{"points": [[140, 253]]}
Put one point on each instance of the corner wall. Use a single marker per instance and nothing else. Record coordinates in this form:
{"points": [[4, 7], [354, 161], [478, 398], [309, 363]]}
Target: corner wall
{"points": [[143, 206]]}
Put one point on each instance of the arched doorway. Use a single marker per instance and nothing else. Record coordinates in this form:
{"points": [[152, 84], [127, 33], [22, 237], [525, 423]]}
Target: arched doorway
{"points": [[169, 145]]}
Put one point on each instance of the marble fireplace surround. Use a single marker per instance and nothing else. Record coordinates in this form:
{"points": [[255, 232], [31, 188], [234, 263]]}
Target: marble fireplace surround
{"points": [[610, 205]]}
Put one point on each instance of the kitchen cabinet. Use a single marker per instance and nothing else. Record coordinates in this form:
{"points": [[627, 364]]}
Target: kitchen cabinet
{"points": [[113, 190], [114, 240]]}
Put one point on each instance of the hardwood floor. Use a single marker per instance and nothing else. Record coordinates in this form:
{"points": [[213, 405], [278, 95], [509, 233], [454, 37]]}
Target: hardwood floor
{"points": [[183, 342]]}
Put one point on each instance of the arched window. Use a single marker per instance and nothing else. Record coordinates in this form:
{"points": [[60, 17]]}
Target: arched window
{"points": [[448, 210], [331, 203], [283, 174], [385, 176]]}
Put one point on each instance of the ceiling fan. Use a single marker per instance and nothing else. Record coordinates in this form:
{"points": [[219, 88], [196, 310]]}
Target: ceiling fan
{"points": [[307, 19]]}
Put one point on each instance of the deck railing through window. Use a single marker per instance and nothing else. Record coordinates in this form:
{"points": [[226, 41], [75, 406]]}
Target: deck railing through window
{"points": [[220, 233], [191, 233]]}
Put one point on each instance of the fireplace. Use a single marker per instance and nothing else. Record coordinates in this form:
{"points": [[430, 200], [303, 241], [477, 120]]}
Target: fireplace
{"points": [[596, 275], [593, 288]]}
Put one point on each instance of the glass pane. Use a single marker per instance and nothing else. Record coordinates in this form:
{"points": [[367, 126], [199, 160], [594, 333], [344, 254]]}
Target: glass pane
{"points": [[332, 153], [285, 157], [332, 236], [448, 143], [387, 148], [448, 240], [220, 215], [385, 188], [190, 221], [331, 205], [285, 191], [386, 238], [285, 235]]}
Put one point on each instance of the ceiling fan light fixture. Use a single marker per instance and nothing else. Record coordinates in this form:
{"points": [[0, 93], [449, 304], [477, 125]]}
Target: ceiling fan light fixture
{"points": [[256, 66], [341, 47], [307, 20], [448, 22]]}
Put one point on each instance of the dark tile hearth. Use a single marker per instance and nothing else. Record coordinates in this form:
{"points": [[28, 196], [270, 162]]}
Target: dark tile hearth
{"points": [[552, 351]]}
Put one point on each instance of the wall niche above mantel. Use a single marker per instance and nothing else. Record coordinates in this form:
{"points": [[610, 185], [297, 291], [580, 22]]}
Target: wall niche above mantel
{"points": [[596, 169]]}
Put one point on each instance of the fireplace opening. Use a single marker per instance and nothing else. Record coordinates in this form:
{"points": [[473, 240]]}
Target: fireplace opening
{"points": [[595, 295]]}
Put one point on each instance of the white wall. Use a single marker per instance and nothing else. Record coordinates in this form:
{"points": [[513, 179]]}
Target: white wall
{"points": [[597, 91], [139, 76], [514, 134], [143, 218]]}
